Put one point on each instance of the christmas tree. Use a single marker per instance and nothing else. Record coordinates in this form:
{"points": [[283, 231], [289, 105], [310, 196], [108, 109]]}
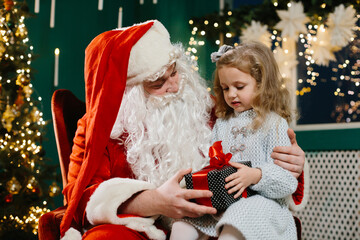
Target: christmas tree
{"points": [[27, 181]]}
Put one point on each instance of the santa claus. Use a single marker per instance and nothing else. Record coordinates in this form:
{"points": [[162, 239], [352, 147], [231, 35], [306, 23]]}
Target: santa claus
{"points": [[148, 123]]}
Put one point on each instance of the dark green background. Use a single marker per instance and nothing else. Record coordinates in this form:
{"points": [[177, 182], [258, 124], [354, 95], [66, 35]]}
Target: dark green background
{"points": [[78, 22]]}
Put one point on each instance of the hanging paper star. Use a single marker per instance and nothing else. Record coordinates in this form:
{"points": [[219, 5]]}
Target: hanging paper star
{"points": [[256, 32], [341, 24], [286, 61], [292, 21], [323, 51]]}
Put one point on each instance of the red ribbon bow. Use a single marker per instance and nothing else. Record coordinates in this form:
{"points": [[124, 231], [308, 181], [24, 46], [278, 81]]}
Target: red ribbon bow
{"points": [[217, 158]]}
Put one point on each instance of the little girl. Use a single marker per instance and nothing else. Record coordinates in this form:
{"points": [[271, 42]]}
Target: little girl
{"points": [[253, 109]]}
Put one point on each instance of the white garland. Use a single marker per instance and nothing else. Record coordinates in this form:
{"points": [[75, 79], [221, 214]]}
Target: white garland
{"points": [[256, 32], [321, 48], [292, 21], [341, 24]]}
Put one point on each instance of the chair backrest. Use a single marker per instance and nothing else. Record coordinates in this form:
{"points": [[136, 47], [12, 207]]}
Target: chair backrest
{"points": [[66, 110]]}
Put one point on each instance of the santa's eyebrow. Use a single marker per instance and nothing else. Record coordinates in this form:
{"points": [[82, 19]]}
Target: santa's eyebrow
{"points": [[166, 76], [156, 82]]}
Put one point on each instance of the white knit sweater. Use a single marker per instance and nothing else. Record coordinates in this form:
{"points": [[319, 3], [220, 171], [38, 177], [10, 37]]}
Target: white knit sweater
{"points": [[266, 215]]}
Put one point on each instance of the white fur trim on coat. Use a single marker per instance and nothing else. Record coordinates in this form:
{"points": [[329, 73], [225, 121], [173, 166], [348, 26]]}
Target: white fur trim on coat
{"points": [[109, 195], [304, 201], [72, 234]]}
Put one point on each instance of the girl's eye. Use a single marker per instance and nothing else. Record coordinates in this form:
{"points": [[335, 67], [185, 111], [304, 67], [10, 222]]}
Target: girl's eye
{"points": [[239, 88], [225, 89]]}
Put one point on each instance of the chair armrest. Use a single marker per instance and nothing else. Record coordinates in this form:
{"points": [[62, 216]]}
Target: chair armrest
{"points": [[49, 224]]}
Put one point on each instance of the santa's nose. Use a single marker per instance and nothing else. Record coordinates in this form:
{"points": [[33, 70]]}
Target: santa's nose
{"points": [[173, 86]]}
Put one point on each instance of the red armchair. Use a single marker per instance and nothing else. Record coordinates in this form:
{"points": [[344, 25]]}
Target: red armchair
{"points": [[66, 110]]}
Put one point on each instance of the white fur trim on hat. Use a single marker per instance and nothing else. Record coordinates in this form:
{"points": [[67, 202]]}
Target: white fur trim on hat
{"points": [[150, 54], [109, 195]]}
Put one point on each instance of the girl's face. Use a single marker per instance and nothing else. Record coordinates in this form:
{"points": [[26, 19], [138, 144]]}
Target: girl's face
{"points": [[168, 83], [238, 88]]}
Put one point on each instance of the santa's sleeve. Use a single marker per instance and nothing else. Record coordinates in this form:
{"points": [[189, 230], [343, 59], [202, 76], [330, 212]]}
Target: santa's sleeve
{"points": [[104, 195], [300, 197], [109, 195]]}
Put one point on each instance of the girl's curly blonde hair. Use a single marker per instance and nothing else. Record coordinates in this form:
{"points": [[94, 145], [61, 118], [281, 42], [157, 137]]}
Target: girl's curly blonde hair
{"points": [[272, 94]]}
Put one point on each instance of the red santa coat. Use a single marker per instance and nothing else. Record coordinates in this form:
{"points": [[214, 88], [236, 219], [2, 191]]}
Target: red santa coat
{"points": [[114, 177], [106, 75]]}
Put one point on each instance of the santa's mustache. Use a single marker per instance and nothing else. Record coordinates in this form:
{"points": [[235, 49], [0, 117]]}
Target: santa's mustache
{"points": [[161, 101]]}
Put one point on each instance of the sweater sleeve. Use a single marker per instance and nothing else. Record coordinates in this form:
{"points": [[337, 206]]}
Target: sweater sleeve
{"points": [[275, 181]]}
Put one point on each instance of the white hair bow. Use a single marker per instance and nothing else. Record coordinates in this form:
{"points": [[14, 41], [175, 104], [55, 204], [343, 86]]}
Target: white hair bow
{"points": [[215, 56]]}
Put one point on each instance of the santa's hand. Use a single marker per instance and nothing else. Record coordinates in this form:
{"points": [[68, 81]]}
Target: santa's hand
{"points": [[242, 178], [291, 158], [174, 200]]}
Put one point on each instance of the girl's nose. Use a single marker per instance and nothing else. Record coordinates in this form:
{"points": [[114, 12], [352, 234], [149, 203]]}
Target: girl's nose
{"points": [[232, 93]]}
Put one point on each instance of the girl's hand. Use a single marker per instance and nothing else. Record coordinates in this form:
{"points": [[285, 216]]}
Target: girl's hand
{"points": [[244, 177]]}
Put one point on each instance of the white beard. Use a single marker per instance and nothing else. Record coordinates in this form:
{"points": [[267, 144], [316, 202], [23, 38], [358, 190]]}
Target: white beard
{"points": [[167, 133]]}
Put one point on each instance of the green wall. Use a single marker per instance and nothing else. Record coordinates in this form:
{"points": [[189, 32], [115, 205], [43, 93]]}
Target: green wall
{"points": [[337, 139]]}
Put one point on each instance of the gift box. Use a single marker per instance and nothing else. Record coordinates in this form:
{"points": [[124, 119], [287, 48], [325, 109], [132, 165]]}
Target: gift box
{"points": [[213, 177]]}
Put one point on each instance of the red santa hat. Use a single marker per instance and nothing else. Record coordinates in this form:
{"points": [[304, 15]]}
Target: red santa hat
{"points": [[113, 60]]}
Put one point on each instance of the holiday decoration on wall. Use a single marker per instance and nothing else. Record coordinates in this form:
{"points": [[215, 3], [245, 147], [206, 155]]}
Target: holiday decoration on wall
{"points": [[25, 174], [314, 42]]}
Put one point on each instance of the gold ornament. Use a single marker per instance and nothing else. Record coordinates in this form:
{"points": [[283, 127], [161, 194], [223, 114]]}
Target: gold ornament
{"points": [[8, 17], [54, 190], [35, 114], [21, 32], [7, 118], [13, 186], [32, 183], [2, 49], [27, 91], [22, 80]]}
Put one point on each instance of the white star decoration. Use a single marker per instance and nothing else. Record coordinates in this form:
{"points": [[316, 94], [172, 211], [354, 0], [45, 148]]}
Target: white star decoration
{"points": [[292, 21], [256, 32], [341, 24], [322, 48]]}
